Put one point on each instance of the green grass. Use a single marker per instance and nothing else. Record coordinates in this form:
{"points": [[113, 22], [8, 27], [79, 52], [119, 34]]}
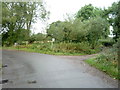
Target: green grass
{"points": [[61, 48], [56, 48], [43, 51], [101, 62], [104, 66], [0, 65]]}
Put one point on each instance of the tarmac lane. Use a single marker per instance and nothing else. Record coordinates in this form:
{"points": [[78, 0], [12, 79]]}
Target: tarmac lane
{"points": [[35, 70]]}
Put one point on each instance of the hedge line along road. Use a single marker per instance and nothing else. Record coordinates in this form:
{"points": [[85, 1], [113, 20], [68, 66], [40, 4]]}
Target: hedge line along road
{"points": [[34, 70]]}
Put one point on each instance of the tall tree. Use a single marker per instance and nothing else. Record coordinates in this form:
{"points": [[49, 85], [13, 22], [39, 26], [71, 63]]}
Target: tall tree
{"points": [[60, 30], [88, 11], [97, 29], [115, 20], [113, 16], [18, 16]]}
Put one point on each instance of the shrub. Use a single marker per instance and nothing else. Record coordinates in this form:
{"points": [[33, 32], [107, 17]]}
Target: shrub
{"points": [[106, 42], [108, 61], [71, 48], [83, 47]]}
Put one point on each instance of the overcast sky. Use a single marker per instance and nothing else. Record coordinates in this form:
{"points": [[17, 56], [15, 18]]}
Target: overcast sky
{"points": [[59, 8]]}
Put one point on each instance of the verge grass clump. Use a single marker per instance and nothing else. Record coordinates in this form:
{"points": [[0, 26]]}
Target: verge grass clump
{"points": [[62, 48], [107, 61]]}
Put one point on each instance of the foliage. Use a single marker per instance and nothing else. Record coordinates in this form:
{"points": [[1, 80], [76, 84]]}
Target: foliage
{"points": [[31, 39], [58, 48], [39, 37], [113, 14], [16, 16], [77, 31], [89, 11], [107, 42], [73, 48], [107, 61], [85, 34], [59, 30], [22, 33], [0, 40], [97, 29]]}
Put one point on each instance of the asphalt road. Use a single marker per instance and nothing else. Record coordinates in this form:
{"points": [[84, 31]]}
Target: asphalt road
{"points": [[34, 70]]}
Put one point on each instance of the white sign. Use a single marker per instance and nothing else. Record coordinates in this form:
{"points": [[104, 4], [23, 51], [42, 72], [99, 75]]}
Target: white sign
{"points": [[53, 39]]}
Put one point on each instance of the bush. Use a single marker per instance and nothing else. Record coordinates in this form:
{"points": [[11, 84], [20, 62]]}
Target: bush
{"points": [[70, 48], [106, 42], [83, 47], [108, 61], [31, 39]]}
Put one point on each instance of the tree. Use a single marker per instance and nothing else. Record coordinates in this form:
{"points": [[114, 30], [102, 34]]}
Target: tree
{"points": [[116, 18], [97, 29], [60, 30], [117, 23], [113, 16], [17, 16], [40, 37], [31, 12], [88, 26], [55, 30], [78, 31], [88, 11], [22, 35]]}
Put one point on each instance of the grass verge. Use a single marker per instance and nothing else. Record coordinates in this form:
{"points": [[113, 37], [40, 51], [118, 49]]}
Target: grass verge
{"points": [[57, 48], [104, 66], [43, 52]]}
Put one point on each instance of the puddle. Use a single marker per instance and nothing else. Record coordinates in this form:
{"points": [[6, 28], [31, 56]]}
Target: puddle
{"points": [[32, 82], [4, 81]]}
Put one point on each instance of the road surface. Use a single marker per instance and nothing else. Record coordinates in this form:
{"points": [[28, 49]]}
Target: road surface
{"points": [[34, 70]]}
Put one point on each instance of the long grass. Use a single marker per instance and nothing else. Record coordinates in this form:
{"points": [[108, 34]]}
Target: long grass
{"points": [[57, 48], [106, 62]]}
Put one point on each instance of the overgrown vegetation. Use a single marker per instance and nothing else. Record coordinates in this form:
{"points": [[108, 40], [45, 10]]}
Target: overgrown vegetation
{"points": [[17, 18], [86, 33], [107, 61], [58, 48]]}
